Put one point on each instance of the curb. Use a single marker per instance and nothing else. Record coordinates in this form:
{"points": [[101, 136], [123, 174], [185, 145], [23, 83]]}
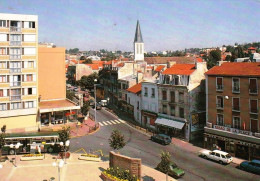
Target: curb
{"points": [[87, 133]]}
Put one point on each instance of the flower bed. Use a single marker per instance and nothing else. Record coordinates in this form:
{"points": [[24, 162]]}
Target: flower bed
{"points": [[90, 157], [32, 157], [115, 174], [3, 160], [61, 155]]}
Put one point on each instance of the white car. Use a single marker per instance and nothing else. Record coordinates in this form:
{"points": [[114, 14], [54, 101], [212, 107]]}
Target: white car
{"points": [[219, 156]]}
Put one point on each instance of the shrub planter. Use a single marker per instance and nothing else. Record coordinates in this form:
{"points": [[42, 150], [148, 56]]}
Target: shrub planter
{"points": [[61, 155], [3, 160], [32, 157], [90, 157], [104, 177]]}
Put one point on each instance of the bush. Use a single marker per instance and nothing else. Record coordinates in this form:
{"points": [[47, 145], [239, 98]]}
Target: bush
{"points": [[120, 174]]}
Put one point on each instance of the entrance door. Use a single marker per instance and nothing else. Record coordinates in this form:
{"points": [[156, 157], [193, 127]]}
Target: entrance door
{"points": [[221, 144], [242, 152], [254, 126]]}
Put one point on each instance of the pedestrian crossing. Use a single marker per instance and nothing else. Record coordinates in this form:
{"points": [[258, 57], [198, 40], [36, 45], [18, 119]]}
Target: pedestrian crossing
{"points": [[111, 122]]}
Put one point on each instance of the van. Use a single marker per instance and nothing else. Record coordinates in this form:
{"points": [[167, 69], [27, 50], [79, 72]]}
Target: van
{"points": [[103, 103]]}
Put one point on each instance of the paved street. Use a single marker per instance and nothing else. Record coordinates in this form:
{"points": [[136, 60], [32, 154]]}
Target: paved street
{"points": [[139, 145]]}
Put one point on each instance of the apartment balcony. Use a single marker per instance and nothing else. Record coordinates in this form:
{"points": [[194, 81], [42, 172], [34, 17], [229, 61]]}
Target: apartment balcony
{"points": [[253, 91], [220, 106], [15, 98], [253, 111], [219, 88], [236, 109], [15, 57], [14, 29], [15, 70], [181, 101], [15, 43], [15, 84], [236, 90]]}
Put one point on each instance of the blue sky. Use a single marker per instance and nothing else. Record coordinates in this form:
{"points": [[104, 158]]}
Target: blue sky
{"points": [[165, 24]]}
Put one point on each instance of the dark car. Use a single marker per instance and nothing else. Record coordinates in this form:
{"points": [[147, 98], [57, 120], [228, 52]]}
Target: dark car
{"points": [[174, 170], [161, 138], [253, 166], [99, 107]]}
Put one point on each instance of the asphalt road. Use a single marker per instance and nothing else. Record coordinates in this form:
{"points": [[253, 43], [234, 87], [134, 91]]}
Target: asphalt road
{"points": [[139, 145]]}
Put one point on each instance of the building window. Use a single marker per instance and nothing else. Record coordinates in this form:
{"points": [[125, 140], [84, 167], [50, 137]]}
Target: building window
{"points": [[128, 100], [253, 106], [253, 86], [219, 83], [145, 91], [254, 125], [235, 85], [172, 110], [137, 105], [2, 65], [153, 92], [1, 93], [235, 103], [2, 107], [181, 112], [31, 24], [29, 91], [220, 120], [3, 78], [2, 51], [16, 105], [29, 77], [164, 95], [176, 80], [236, 122], [164, 109], [220, 102], [166, 79], [181, 97], [172, 96], [2, 23], [29, 104], [30, 64]]}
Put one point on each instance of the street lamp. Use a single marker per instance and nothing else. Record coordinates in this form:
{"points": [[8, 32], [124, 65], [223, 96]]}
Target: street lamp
{"points": [[95, 80], [67, 144], [15, 147], [60, 165], [107, 100]]}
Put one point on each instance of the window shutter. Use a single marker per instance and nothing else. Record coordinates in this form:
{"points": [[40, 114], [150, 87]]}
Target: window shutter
{"points": [[22, 51], [22, 64], [22, 37], [7, 37], [7, 65], [7, 78], [23, 78], [252, 85], [7, 23], [253, 104], [8, 92], [7, 51], [22, 24], [236, 103], [8, 106], [22, 91]]}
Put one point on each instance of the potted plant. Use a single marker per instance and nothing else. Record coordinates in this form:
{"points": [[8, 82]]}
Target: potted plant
{"points": [[90, 157]]}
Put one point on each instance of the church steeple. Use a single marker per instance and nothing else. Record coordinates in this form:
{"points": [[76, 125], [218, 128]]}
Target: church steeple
{"points": [[138, 44]]}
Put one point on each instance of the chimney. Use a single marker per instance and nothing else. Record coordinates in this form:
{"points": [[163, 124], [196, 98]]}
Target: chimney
{"points": [[170, 63]]}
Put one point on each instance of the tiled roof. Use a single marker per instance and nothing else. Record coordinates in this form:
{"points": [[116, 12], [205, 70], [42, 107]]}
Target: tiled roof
{"points": [[136, 88], [95, 66], [120, 65], [251, 48], [159, 68], [56, 104], [199, 59], [180, 69], [110, 62], [164, 60], [149, 67], [74, 61], [98, 62], [236, 69]]}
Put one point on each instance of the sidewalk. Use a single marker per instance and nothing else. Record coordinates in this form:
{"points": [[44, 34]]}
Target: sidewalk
{"points": [[80, 170], [86, 127], [188, 147]]}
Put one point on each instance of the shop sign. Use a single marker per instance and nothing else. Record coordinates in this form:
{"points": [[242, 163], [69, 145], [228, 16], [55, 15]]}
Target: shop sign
{"points": [[233, 130]]}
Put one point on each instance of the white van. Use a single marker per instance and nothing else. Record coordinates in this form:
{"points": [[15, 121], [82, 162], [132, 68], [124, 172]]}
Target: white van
{"points": [[103, 103]]}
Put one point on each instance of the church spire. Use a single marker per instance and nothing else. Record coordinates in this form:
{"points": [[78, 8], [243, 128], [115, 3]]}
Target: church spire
{"points": [[138, 34]]}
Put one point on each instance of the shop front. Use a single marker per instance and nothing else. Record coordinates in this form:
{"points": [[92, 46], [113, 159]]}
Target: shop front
{"points": [[148, 119]]}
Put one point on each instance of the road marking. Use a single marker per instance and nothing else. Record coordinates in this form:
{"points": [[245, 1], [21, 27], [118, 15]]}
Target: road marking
{"points": [[101, 124], [121, 121], [108, 122], [104, 123], [113, 122], [117, 121]]}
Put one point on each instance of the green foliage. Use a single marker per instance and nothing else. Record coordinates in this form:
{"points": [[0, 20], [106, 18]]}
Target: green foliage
{"points": [[88, 61], [64, 134], [2, 136], [85, 108], [120, 174], [82, 58], [70, 94], [73, 51], [87, 82], [164, 165], [116, 140], [228, 58], [213, 58]]}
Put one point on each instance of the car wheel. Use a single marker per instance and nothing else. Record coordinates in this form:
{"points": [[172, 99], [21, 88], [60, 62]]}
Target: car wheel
{"points": [[221, 162], [50, 150], [11, 152], [204, 156]]}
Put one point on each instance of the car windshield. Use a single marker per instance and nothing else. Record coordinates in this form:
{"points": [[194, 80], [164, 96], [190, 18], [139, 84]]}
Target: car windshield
{"points": [[173, 166], [228, 156]]}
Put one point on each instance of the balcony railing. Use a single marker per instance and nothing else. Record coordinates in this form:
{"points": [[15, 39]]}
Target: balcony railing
{"points": [[15, 98], [15, 70], [254, 110], [15, 43], [236, 90], [15, 84], [235, 108], [253, 91], [15, 57], [15, 29], [219, 87], [219, 106]]}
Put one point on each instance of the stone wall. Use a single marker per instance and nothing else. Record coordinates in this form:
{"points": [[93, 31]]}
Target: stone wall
{"points": [[126, 163]]}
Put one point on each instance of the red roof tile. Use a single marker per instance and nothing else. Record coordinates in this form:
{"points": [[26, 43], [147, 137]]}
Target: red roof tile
{"points": [[164, 60], [120, 65], [74, 61], [95, 66], [159, 68], [180, 69], [136, 88], [252, 48], [236, 69], [199, 59]]}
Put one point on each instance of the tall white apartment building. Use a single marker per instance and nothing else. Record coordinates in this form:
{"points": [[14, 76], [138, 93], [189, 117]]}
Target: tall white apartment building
{"points": [[18, 71]]}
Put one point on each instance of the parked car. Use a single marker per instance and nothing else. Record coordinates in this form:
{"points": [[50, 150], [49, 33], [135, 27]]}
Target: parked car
{"points": [[253, 166], [161, 138], [103, 103], [217, 155], [174, 171], [98, 106]]}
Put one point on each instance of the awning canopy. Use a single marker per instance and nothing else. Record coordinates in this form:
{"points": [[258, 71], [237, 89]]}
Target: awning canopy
{"points": [[170, 123]]}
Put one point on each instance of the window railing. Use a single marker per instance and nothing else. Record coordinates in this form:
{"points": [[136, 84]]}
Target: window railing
{"points": [[15, 70], [236, 90], [145, 94], [235, 108], [16, 83], [15, 29], [181, 100], [15, 43], [219, 106], [254, 110], [15, 57], [253, 91], [219, 87], [15, 98], [153, 96]]}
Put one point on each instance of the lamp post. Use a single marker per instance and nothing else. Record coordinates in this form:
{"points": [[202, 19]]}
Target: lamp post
{"points": [[107, 101], [64, 146], [95, 80], [15, 147], [60, 165]]}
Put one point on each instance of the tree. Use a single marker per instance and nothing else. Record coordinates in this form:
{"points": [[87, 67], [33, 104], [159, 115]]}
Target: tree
{"points": [[88, 61], [116, 140], [82, 58], [213, 58], [164, 165], [64, 134], [2, 138], [85, 107], [87, 82], [228, 58], [70, 95], [74, 51]]}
